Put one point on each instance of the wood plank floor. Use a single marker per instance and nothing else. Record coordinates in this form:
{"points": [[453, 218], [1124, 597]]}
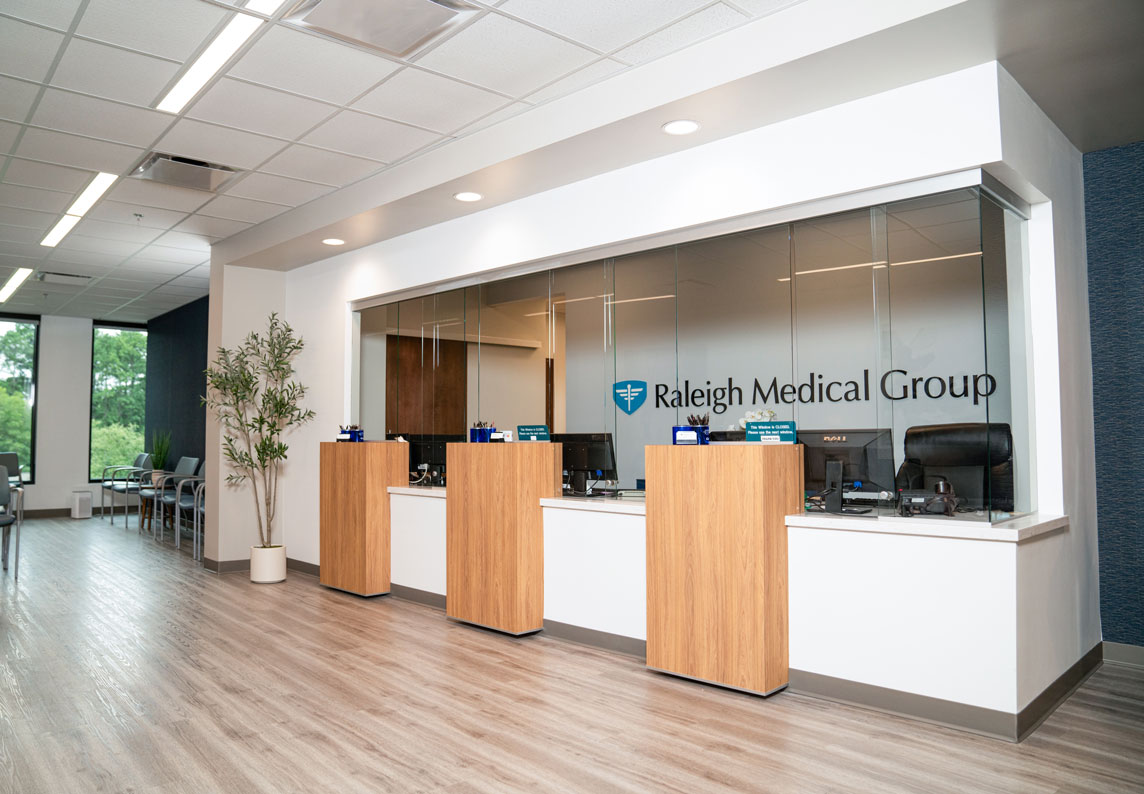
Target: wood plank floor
{"points": [[124, 667]]}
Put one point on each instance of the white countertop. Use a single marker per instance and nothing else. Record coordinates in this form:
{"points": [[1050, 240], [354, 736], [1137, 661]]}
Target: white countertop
{"points": [[431, 491], [629, 505], [1014, 530]]}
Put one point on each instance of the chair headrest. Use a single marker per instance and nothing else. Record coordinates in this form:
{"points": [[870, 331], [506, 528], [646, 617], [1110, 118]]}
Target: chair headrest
{"points": [[966, 444], [186, 465]]}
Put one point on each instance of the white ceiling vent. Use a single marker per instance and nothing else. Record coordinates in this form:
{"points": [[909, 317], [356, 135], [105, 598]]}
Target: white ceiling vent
{"points": [[184, 172], [396, 27]]}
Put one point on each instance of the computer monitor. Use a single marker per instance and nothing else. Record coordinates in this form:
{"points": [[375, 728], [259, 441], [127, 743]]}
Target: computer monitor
{"points": [[427, 455], [866, 456], [587, 457]]}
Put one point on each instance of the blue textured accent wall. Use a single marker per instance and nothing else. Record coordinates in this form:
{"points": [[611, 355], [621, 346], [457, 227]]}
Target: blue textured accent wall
{"points": [[1114, 216], [176, 358]]}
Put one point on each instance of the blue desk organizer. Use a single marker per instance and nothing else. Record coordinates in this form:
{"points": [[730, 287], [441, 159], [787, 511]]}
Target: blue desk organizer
{"points": [[692, 436], [481, 435]]}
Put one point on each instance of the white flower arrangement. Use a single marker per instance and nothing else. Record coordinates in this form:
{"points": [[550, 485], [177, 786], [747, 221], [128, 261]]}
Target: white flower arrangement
{"points": [[766, 415]]}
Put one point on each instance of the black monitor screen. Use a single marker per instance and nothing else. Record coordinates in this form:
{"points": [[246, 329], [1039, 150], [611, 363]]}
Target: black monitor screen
{"points": [[427, 449], [591, 453], [867, 458]]}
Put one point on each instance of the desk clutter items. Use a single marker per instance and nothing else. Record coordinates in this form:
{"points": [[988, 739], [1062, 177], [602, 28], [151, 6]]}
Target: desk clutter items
{"points": [[697, 431], [486, 432], [350, 433]]}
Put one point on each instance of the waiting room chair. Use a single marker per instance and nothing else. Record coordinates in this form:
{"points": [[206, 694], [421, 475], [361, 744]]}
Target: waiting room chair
{"points": [[11, 461], [174, 493], [200, 518], [976, 458], [123, 480], [11, 502]]}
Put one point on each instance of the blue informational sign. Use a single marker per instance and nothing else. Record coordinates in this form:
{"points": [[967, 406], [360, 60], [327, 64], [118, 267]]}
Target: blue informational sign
{"points": [[532, 433], [771, 432]]}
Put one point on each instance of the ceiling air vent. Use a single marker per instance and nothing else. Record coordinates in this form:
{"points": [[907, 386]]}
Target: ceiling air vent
{"points": [[395, 27], [48, 277], [184, 172]]}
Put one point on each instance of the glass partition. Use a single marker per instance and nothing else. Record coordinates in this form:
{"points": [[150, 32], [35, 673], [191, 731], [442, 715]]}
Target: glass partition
{"points": [[894, 337]]}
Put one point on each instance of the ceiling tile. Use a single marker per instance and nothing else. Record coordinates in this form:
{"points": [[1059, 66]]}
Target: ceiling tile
{"points": [[13, 216], [190, 138], [429, 100], [80, 242], [763, 7], [8, 133], [140, 235], [21, 249], [257, 109], [155, 194], [163, 253], [192, 242], [113, 73], [192, 281], [211, 227], [28, 51], [56, 14], [239, 209], [99, 118], [603, 24], [506, 56], [64, 149], [151, 269], [698, 26], [16, 98], [181, 291], [493, 118], [70, 268], [574, 82], [45, 176], [93, 258], [167, 28], [119, 212], [367, 136], [265, 187], [30, 198], [20, 234], [306, 64], [319, 165]]}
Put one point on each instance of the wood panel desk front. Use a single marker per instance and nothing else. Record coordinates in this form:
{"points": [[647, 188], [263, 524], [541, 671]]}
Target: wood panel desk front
{"points": [[717, 561], [354, 512], [494, 555]]}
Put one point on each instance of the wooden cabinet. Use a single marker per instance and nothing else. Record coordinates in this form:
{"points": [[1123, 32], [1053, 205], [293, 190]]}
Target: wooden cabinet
{"points": [[354, 512], [495, 532], [717, 561]]}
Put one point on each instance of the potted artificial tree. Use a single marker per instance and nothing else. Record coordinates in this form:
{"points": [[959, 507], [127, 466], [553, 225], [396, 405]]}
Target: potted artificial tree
{"points": [[251, 389]]}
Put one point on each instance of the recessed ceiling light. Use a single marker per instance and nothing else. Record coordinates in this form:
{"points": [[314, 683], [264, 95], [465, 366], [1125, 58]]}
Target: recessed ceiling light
{"points": [[14, 281], [60, 230], [96, 188], [680, 127], [214, 57], [467, 195], [333, 241]]}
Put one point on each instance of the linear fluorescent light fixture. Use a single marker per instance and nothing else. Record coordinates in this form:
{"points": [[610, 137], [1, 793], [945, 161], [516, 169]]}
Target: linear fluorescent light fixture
{"points": [[60, 230], [95, 188], [215, 56], [14, 282]]}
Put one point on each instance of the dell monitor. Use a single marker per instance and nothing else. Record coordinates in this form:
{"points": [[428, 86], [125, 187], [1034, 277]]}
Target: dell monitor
{"points": [[587, 457], [864, 459]]}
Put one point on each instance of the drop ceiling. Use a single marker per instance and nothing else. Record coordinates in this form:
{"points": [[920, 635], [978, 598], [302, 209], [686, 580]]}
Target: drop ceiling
{"points": [[314, 122]]}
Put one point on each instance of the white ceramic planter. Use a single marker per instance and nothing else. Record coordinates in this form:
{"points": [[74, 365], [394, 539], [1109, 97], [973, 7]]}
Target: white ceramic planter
{"points": [[268, 564]]}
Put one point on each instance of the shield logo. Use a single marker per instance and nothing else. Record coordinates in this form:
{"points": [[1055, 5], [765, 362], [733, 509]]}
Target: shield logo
{"points": [[629, 394]]}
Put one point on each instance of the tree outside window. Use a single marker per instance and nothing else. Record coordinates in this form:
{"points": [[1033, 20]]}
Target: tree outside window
{"points": [[118, 396], [18, 390]]}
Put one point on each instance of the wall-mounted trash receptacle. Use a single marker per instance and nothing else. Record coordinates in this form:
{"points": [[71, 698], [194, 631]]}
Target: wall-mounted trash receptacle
{"points": [[81, 504]]}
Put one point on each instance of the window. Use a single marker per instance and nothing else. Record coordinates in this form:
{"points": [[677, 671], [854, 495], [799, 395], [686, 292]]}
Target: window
{"points": [[118, 396], [19, 339]]}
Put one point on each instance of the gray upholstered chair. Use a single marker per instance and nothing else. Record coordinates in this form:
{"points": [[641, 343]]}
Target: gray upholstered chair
{"points": [[174, 493], [10, 499], [124, 480]]}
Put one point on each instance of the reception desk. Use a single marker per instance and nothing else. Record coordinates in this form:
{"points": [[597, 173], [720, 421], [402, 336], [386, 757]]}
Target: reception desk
{"points": [[717, 561], [495, 533]]}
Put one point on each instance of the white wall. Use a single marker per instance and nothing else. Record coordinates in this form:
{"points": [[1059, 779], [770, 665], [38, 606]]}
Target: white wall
{"points": [[63, 414], [241, 300]]}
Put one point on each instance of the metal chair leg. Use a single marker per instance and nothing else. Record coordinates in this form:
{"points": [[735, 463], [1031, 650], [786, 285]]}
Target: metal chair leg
{"points": [[16, 567]]}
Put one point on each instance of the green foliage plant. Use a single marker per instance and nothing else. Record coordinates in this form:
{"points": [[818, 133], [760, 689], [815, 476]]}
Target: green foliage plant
{"points": [[160, 448], [251, 390], [113, 445]]}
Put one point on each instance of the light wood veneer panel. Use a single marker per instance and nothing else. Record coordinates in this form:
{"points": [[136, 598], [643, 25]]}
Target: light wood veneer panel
{"points": [[495, 532], [717, 561], [354, 512]]}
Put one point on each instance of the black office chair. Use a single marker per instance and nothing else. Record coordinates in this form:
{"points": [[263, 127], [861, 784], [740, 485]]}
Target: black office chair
{"points": [[975, 458]]}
